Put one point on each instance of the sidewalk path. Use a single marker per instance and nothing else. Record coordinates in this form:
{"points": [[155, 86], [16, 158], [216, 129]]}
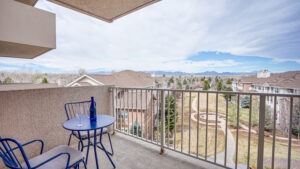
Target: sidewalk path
{"points": [[230, 138]]}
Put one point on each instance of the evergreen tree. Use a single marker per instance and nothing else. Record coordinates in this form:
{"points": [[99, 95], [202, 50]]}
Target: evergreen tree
{"points": [[184, 82], [45, 80], [179, 85], [206, 85], [171, 80], [187, 87], [228, 96], [219, 85], [228, 82], [170, 113]]}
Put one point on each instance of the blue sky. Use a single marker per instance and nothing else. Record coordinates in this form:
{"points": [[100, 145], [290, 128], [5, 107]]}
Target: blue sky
{"points": [[244, 63], [174, 35]]}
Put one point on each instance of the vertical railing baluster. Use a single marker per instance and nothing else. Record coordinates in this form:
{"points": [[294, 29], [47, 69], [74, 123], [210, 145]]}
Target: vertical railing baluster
{"points": [[249, 131], [261, 129], [290, 133], [237, 131], [146, 104], [132, 112], [216, 128], [117, 109], [152, 118], [128, 91], [182, 108], [206, 126], [113, 106], [190, 112], [157, 106], [142, 114], [274, 132], [123, 111], [175, 115], [168, 132], [226, 134], [198, 114], [136, 114], [162, 142]]}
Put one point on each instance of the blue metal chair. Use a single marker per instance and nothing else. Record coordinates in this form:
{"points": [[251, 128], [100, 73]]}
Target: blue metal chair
{"points": [[60, 157], [82, 107]]}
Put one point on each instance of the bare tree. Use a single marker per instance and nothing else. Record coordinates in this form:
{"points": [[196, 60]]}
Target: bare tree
{"points": [[81, 71]]}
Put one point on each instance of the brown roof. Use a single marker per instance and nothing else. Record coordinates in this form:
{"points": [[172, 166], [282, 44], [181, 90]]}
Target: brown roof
{"points": [[283, 80], [125, 79]]}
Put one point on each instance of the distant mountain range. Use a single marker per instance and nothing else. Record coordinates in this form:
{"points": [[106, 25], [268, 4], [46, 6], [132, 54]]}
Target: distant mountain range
{"points": [[178, 73], [207, 73]]}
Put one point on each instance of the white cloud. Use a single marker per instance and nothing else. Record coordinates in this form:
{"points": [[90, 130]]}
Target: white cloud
{"points": [[161, 36]]}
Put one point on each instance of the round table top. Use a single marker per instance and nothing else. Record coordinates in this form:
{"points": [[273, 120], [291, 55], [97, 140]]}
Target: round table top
{"points": [[102, 121]]}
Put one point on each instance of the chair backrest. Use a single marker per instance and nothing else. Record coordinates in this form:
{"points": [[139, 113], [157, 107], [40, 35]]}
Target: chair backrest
{"points": [[12, 153], [73, 108]]}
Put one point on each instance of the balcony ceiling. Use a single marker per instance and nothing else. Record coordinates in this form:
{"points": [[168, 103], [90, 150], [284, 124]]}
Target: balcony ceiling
{"points": [[28, 2], [17, 50], [107, 10], [25, 31]]}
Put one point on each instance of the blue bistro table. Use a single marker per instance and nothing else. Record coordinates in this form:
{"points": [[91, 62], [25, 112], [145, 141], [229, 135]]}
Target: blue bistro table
{"points": [[102, 122]]}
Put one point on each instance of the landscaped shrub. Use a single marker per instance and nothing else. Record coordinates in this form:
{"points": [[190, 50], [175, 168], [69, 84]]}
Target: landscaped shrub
{"points": [[8, 80], [136, 129], [245, 102]]}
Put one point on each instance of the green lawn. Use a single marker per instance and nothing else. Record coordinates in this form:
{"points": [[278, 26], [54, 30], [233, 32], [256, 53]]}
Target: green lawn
{"points": [[281, 149]]}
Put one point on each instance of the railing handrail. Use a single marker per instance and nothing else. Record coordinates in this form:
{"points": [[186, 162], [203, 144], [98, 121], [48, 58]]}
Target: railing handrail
{"points": [[215, 92]]}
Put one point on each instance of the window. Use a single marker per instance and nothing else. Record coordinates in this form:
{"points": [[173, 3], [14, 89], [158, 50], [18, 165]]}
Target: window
{"points": [[122, 115], [290, 90]]}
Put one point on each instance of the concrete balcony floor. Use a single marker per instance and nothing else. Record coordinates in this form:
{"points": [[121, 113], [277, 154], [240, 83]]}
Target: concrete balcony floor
{"points": [[132, 153]]}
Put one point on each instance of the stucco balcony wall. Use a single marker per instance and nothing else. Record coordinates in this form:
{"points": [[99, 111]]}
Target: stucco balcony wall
{"points": [[39, 113]]}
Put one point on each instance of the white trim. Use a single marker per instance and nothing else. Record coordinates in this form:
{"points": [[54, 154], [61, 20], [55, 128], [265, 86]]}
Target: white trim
{"points": [[82, 77]]}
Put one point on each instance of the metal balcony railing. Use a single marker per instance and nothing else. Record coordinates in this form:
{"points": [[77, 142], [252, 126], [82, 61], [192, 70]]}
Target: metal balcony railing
{"points": [[228, 129]]}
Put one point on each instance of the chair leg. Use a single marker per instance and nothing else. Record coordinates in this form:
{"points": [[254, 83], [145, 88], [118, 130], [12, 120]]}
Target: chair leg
{"points": [[111, 147], [84, 164], [78, 146], [70, 139]]}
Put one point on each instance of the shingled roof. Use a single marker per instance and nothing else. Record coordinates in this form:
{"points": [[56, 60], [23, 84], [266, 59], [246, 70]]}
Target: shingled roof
{"points": [[125, 78], [283, 80]]}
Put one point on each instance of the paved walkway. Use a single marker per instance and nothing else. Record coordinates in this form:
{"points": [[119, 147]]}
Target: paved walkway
{"points": [[230, 138]]}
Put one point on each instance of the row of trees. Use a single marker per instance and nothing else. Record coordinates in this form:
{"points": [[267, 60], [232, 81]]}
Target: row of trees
{"points": [[9, 80], [194, 82]]}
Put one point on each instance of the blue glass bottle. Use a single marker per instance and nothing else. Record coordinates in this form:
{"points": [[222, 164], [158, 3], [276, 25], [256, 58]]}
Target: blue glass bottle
{"points": [[93, 114]]}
